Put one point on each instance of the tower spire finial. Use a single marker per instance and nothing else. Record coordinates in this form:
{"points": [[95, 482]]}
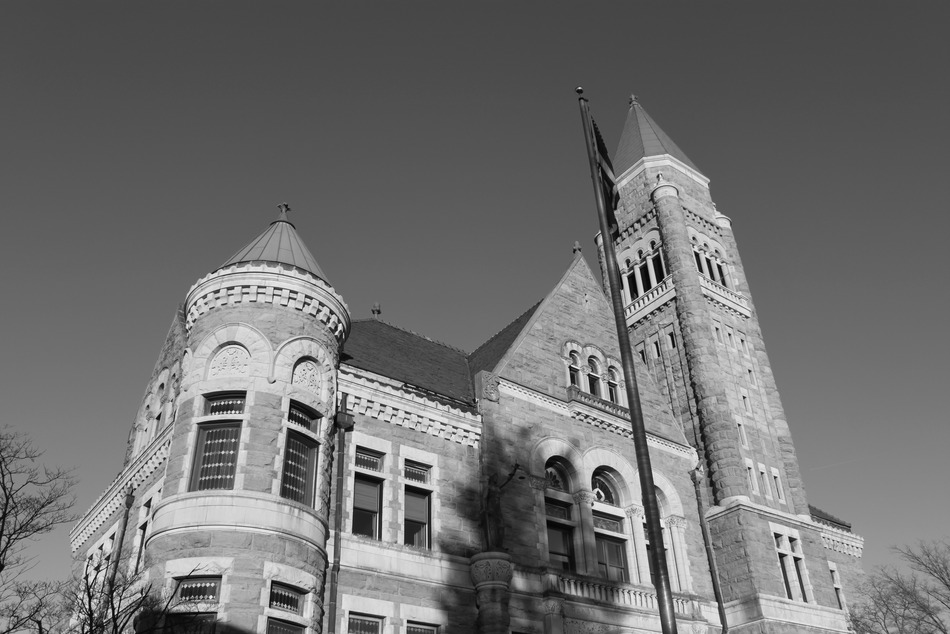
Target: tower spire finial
{"points": [[633, 100], [284, 208]]}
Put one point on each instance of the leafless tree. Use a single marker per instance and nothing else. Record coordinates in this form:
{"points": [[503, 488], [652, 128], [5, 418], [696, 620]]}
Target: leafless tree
{"points": [[915, 602], [34, 500]]}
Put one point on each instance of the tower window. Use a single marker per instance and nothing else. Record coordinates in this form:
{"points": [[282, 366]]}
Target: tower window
{"points": [[645, 277], [287, 598], [300, 469], [742, 435], [752, 377], [367, 499], [302, 416], [777, 481], [574, 370], [656, 349], [225, 404], [699, 262], [722, 275], [216, 455], [658, 267], [672, 339], [632, 285], [199, 589], [416, 527], [612, 394], [791, 563]]}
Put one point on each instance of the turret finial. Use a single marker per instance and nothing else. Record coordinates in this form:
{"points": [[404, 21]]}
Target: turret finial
{"points": [[284, 208], [633, 100], [577, 246], [377, 310]]}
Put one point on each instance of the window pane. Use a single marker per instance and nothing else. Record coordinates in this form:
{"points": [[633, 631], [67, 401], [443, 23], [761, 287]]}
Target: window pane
{"points": [[417, 506], [611, 559], [416, 471], [300, 457], [363, 625], [559, 547], [366, 499], [367, 459], [199, 589], [645, 277], [658, 267], [216, 458], [225, 404], [303, 416], [722, 274], [415, 628], [286, 598], [632, 285], [282, 627]]}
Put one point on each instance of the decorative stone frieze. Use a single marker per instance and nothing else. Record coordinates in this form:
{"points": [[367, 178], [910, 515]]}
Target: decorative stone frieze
{"points": [[229, 361], [842, 541], [553, 606], [585, 497], [537, 483], [308, 375], [273, 284], [490, 386], [635, 511], [674, 521], [491, 574]]}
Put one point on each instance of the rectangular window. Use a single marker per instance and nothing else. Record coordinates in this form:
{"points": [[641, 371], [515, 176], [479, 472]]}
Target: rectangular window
{"points": [[752, 377], [777, 481], [709, 269], [419, 628], [658, 267], [300, 469], [750, 472], [225, 404], [792, 563], [742, 436], [656, 349], [416, 531], [718, 334], [369, 459], [836, 582], [416, 471], [362, 624], [275, 626], [611, 558], [746, 405], [367, 497], [560, 547], [190, 622], [632, 285], [699, 262], [199, 589], [216, 455], [645, 277], [287, 598], [672, 339], [742, 343], [302, 415], [722, 275], [732, 342], [146, 514], [764, 479]]}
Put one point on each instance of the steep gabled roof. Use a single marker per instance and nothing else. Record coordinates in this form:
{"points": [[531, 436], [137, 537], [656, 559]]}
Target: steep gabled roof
{"points": [[279, 243], [382, 348], [642, 137], [490, 353]]}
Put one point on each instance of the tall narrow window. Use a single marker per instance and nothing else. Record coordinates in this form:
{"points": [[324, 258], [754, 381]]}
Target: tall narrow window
{"points": [[699, 262], [300, 468], [722, 275], [367, 497], [764, 479], [632, 285], [836, 583], [746, 405], [777, 481], [611, 558], [560, 547], [645, 277], [742, 435], [709, 269], [416, 531], [612, 392], [593, 376], [216, 456], [752, 377], [574, 370], [792, 564], [672, 339], [146, 514], [658, 267]]}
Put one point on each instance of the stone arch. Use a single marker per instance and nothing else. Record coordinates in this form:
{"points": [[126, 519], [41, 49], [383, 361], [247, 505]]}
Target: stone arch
{"points": [[234, 334], [669, 503], [622, 474], [569, 458], [297, 350]]}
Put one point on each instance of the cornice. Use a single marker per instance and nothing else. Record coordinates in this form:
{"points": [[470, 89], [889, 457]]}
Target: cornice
{"points": [[382, 398], [131, 478], [273, 284], [664, 160], [593, 417]]}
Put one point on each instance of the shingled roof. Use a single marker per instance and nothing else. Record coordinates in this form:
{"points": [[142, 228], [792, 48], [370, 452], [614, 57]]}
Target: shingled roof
{"points": [[487, 356], [382, 348], [642, 137], [827, 518]]}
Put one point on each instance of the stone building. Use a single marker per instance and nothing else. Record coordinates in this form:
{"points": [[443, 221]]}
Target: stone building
{"points": [[292, 470]]}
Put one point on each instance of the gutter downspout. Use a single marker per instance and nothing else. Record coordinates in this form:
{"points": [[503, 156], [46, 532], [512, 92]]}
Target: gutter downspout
{"points": [[344, 423], [697, 476]]}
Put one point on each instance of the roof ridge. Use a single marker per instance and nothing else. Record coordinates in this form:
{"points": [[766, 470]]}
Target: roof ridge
{"points": [[416, 334], [507, 326]]}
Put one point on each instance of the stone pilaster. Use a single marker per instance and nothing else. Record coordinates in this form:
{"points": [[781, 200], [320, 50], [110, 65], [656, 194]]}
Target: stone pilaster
{"points": [[719, 433], [491, 574]]}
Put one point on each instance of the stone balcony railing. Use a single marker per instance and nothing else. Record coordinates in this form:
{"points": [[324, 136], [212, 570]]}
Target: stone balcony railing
{"points": [[611, 593], [649, 301], [719, 293], [574, 393]]}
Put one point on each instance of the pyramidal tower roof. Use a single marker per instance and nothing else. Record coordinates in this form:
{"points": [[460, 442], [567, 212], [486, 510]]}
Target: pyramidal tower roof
{"points": [[642, 137], [279, 243]]}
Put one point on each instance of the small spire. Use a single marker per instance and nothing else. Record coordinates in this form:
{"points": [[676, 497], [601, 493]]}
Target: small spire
{"points": [[633, 100], [577, 246], [377, 310], [284, 208]]}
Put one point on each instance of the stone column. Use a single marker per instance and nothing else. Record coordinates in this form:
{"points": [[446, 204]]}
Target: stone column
{"points": [[586, 563], [676, 528], [635, 515], [491, 574], [719, 433], [553, 616]]}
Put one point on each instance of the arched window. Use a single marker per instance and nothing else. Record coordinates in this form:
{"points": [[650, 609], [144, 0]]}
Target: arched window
{"points": [[593, 376], [556, 477], [613, 395], [574, 370], [603, 488]]}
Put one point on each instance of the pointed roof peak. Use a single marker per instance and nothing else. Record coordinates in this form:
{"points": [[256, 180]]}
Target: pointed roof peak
{"points": [[642, 137], [280, 243]]}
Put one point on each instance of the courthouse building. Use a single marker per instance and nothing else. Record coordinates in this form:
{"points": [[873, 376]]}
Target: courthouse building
{"points": [[295, 470]]}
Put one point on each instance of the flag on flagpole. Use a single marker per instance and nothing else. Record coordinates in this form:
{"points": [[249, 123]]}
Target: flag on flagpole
{"points": [[608, 182]]}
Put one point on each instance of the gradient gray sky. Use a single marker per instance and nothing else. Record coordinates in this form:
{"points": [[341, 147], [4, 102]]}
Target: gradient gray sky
{"points": [[433, 156]]}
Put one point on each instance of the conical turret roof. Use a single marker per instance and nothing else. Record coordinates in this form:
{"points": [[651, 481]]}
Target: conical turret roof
{"points": [[642, 137], [279, 243]]}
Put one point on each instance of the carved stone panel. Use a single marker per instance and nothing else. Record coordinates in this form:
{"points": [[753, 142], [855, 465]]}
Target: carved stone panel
{"points": [[308, 375], [230, 361]]}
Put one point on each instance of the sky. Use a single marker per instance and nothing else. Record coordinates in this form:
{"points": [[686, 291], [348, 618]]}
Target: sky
{"points": [[434, 161]]}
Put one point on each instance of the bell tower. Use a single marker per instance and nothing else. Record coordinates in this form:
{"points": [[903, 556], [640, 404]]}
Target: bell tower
{"points": [[693, 325], [241, 524]]}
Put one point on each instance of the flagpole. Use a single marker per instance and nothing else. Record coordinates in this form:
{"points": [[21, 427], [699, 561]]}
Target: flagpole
{"points": [[651, 510]]}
